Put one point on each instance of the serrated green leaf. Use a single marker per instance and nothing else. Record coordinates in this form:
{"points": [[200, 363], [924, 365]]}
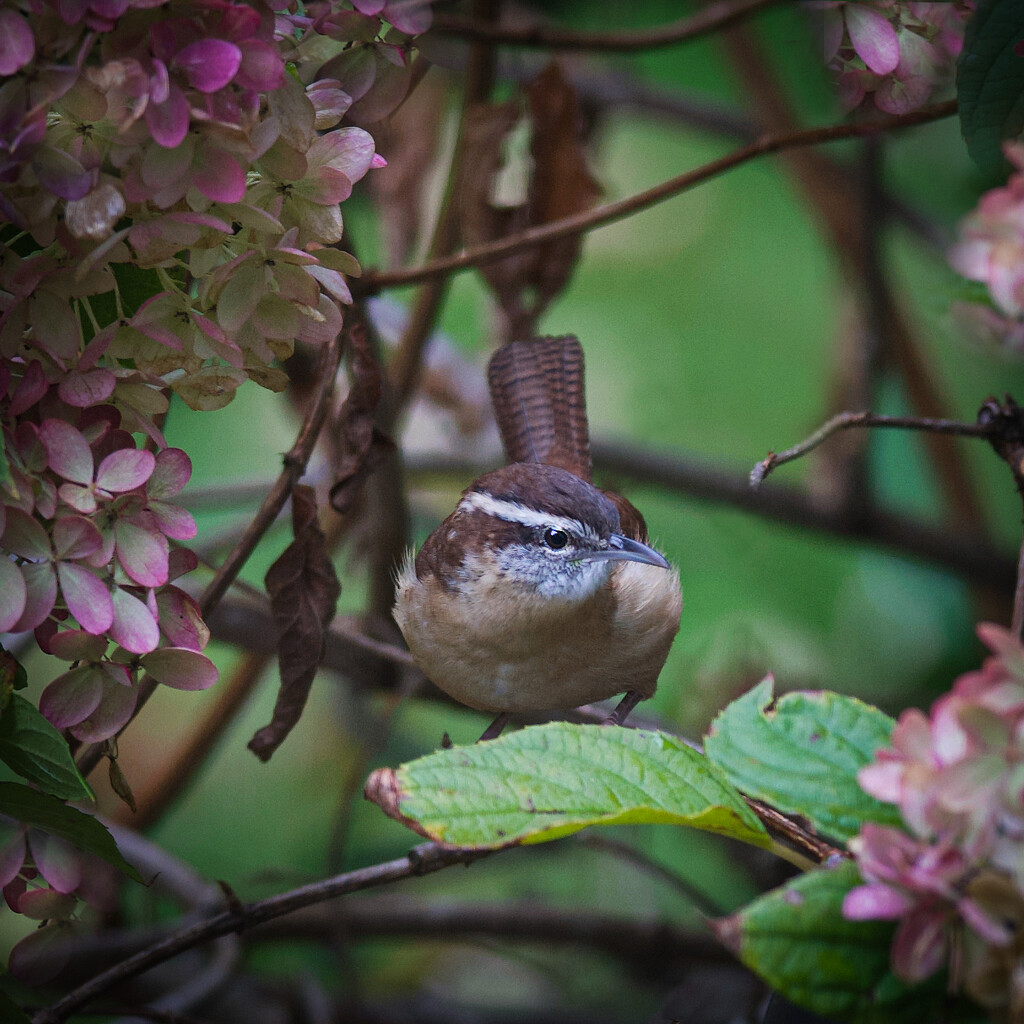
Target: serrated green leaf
{"points": [[990, 82], [33, 748], [10, 1012], [549, 781], [797, 939], [42, 811], [802, 757]]}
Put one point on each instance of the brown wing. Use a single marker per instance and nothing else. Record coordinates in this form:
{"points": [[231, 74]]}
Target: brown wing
{"points": [[539, 402]]}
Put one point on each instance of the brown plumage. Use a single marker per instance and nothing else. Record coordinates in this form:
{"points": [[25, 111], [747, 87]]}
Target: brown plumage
{"points": [[540, 590]]}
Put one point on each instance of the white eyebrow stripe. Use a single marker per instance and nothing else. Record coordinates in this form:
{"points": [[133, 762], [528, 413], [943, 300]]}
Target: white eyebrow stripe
{"points": [[513, 512]]}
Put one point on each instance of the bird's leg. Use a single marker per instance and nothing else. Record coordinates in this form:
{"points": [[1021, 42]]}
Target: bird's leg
{"points": [[621, 712], [493, 731]]}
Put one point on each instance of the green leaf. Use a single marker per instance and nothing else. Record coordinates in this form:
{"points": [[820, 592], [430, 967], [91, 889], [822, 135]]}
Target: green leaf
{"points": [[33, 748], [549, 781], [9, 1011], [797, 939], [42, 811], [990, 82], [803, 756]]}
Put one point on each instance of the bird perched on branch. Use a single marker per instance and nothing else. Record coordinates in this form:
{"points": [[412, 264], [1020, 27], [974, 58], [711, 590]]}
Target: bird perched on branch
{"points": [[540, 591]]}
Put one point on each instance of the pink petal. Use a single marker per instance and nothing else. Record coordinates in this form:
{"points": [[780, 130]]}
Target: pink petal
{"points": [[875, 901], [262, 69], [173, 470], [75, 537], [32, 386], [174, 521], [142, 553], [86, 596], [12, 850], [72, 697], [12, 595], [67, 450], [873, 38], [25, 536], [134, 627], [77, 645], [919, 947], [349, 150], [85, 389], [43, 954], [125, 470], [61, 174], [180, 619], [112, 714], [181, 561], [81, 499], [41, 593], [209, 64], [168, 121], [218, 175], [180, 668], [47, 905], [56, 859], [19, 45]]}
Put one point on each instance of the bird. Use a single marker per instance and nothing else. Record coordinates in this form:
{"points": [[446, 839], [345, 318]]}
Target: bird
{"points": [[540, 592]]}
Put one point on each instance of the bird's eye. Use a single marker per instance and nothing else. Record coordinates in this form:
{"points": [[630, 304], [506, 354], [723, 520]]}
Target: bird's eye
{"points": [[555, 539]]}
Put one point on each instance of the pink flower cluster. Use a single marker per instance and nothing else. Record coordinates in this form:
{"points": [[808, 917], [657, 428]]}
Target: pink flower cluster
{"points": [[892, 53], [171, 174], [957, 776], [168, 137], [991, 251], [86, 522]]}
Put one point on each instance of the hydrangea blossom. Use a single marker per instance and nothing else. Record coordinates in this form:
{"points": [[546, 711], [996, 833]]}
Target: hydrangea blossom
{"points": [[891, 54], [957, 777], [991, 251], [187, 150]]}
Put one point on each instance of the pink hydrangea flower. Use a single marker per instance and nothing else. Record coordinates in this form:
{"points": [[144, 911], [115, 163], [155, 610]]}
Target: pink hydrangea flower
{"points": [[893, 54]]}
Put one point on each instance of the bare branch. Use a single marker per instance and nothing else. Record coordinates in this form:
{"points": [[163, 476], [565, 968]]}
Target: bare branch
{"points": [[371, 283], [845, 420], [712, 18], [422, 860]]}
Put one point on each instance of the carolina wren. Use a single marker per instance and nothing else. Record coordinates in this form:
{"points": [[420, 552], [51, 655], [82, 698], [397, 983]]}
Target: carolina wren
{"points": [[540, 591]]}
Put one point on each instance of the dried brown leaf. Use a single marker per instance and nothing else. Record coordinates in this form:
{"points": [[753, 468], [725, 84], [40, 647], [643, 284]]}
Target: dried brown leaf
{"points": [[560, 185], [304, 590], [359, 439]]}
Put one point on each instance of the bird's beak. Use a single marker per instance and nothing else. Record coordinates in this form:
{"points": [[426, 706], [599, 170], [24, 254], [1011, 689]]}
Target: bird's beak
{"points": [[622, 549]]}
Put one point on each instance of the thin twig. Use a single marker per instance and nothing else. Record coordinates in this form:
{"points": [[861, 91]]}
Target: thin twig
{"points": [[422, 860], [846, 420], [490, 252], [295, 462], [712, 18]]}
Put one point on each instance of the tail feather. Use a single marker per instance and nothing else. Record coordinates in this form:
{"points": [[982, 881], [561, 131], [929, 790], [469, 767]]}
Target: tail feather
{"points": [[539, 403]]}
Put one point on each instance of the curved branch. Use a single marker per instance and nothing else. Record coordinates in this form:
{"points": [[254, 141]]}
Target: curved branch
{"points": [[846, 420], [712, 18], [490, 252], [422, 860]]}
